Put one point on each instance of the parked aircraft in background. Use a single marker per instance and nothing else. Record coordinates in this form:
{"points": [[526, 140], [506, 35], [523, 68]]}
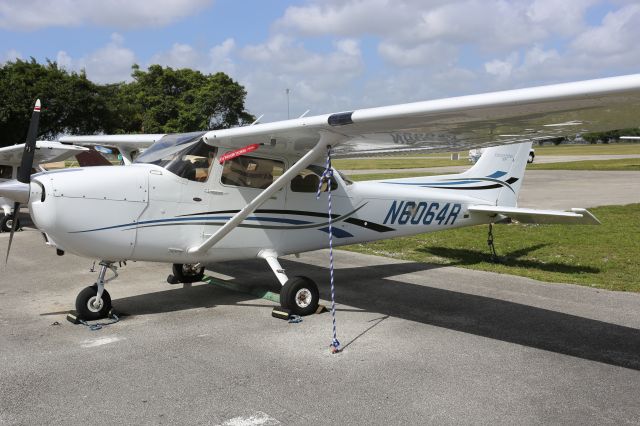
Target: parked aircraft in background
{"points": [[268, 190], [10, 157]]}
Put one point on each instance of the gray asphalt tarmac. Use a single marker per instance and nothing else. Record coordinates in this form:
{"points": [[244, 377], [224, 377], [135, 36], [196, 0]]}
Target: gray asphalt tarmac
{"points": [[423, 344]]}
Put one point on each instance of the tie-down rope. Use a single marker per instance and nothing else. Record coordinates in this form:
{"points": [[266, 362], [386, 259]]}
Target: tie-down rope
{"points": [[327, 176]]}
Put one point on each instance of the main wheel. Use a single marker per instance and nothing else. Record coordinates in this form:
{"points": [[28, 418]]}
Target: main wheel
{"points": [[7, 223], [300, 295], [530, 159], [86, 306], [188, 273]]}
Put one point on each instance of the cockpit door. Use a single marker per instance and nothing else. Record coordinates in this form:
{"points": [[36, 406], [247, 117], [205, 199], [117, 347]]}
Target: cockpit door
{"points": [[236, 183]]}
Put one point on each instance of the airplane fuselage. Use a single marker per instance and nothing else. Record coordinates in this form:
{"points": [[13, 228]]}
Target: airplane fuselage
{"points": [[144, 212]]}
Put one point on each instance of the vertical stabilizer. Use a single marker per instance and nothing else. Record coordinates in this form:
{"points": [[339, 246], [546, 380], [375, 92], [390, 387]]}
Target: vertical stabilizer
{"points": [[496, 178], [502, 168]]}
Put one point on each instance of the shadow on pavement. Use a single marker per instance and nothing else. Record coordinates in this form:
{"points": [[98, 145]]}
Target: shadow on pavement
{"points": [[473, 257], [368, 289]]}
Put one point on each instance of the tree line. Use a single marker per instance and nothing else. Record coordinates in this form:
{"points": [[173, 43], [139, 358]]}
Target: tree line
{"points": [[157, 100]]}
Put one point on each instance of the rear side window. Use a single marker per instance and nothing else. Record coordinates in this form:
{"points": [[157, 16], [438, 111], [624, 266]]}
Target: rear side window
{"points": [[251, 172], [5, 171], [308, 180]]}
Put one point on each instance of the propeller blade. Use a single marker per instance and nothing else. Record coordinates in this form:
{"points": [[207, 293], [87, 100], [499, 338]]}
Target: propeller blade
{"points": [[16, 209], [24, 173]]}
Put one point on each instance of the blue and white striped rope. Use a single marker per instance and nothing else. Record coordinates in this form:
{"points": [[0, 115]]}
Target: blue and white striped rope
{"points": [[327, 176]]}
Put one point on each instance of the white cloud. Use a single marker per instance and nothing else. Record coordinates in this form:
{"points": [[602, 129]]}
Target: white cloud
{"points": [[431, 55], [287, 55], [493, 24], [35, 14], [501, 69], [179, 56], [108, 64], [221, 57], [619, 31], [385, 51], [9, 56]]}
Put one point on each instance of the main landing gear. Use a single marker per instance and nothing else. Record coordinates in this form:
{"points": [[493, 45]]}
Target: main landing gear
{"points": [[7, 222], [94, 302], [187, 273], [299, 294]]}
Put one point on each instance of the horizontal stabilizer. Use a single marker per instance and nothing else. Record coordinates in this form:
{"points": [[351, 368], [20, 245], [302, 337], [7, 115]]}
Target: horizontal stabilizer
{"points": [[522, 215]]}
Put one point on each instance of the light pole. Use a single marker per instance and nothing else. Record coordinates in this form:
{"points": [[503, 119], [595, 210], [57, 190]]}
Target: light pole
{"points": [[287, 91]]}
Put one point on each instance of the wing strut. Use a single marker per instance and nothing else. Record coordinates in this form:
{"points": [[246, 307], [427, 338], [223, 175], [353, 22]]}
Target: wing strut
{"points": [[326, 138]]}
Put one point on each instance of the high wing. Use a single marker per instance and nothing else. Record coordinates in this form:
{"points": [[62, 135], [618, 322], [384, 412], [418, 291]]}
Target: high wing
{"points": [[523, 215], [46, 152], [458, 123], [126, 144]]}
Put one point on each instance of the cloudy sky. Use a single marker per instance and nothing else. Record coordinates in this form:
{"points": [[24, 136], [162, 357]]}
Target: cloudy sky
{"points": [[334, 54]]}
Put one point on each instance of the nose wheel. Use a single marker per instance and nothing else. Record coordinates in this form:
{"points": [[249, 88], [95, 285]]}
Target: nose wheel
{"points": [[89, 307], [94, 302], [6, 223]]}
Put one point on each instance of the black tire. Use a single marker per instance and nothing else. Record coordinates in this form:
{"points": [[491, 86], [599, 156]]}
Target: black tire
{"points": [[7, 222], [530, 159], [300, 295], [86, 310], [185, 273]]}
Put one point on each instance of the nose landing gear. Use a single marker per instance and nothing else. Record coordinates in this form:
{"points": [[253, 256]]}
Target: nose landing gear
{"points": [[6, 223], [94, 302]]}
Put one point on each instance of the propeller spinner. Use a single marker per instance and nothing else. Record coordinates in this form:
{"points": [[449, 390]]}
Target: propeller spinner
{"points": [[24, 172]]}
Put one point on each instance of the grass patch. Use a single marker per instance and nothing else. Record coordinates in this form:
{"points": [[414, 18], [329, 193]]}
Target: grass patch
{"points": [[396, 163], [604, 256], [602, 149], [430, 160], [625, 164]]}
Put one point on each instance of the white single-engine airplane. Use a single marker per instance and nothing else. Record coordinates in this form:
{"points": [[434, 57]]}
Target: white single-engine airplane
{"points": [[250, 192]]}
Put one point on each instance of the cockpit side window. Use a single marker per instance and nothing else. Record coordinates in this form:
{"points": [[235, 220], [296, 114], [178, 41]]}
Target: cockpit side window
{"points": [[6, 171], [309, 179], [193, 162], [251, 172]]}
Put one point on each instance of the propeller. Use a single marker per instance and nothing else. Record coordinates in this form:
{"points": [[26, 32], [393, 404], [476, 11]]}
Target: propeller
{"points": [[24, 172]]}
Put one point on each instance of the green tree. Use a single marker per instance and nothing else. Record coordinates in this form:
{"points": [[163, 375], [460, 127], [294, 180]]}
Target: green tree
{"points": [[164, 100], [71, 103], [159, 100], [613, 134]]}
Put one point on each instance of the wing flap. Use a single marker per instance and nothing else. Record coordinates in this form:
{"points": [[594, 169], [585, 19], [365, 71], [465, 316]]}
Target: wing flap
{"points": [[576, 216]]}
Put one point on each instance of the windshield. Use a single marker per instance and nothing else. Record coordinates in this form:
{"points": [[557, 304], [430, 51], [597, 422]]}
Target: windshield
{"points": [[190, 159], [167, 146]]}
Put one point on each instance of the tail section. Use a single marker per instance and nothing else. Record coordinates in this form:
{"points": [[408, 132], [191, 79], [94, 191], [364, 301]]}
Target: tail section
{"points": [[499, 172], [496, 178]]}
